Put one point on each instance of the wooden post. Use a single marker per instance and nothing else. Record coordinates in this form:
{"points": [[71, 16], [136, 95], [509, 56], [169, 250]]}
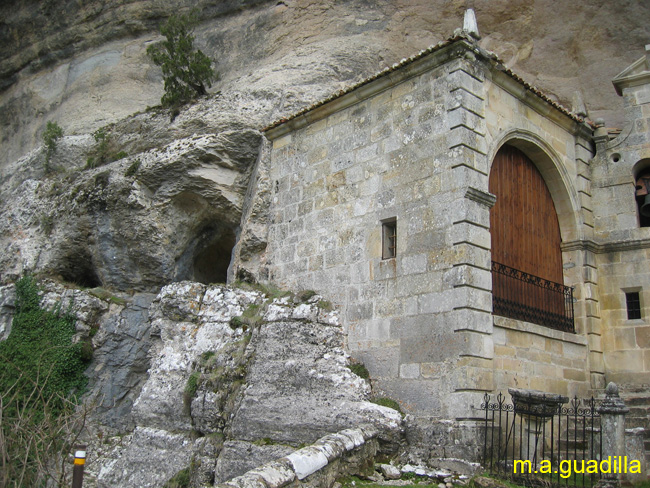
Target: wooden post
{"points": [[78, 469]]}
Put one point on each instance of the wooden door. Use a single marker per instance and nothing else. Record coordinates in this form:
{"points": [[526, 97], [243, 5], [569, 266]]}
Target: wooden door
{"points": [[526, 239], [523, 222]]}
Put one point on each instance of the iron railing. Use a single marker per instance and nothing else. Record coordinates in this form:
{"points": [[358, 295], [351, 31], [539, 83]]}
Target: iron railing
{"points": [[558, 442], [526, 297]]}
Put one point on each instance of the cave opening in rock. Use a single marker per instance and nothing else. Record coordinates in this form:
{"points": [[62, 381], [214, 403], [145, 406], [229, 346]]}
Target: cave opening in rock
{"points": [[78, 268], [211, 260]]}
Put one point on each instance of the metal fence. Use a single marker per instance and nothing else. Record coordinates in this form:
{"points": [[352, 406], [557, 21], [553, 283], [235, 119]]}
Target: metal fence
{"points": [[543, 443], [523, 296]]}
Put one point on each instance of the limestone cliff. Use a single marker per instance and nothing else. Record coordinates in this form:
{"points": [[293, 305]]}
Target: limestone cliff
{"points": [[226, 379], [167, 199], [85, 67], [83, 64]]}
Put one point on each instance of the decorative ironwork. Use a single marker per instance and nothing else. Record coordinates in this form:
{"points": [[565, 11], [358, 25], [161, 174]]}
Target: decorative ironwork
{"points": [[534, 450], [526, 297]]}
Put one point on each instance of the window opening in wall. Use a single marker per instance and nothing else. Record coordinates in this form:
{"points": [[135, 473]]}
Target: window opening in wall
{"points": [[643, 198], [389, 239], [633, 303]]}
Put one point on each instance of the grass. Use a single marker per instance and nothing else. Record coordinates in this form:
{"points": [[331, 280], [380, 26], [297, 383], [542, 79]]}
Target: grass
{"points": [[190, 389], [360, 370], [387, 402], [325, 305], [106, 295], [266, 441], [133, 168]]}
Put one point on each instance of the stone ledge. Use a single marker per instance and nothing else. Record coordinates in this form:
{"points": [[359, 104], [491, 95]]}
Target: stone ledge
{"points": [[305, 462], [520, 326]]}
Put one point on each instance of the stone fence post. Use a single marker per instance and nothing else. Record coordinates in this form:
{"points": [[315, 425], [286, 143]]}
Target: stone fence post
{"points": [[612, 421]]}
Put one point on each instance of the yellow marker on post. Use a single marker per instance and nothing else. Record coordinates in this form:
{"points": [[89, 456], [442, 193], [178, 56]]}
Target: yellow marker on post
{"points": [[80, 458]]}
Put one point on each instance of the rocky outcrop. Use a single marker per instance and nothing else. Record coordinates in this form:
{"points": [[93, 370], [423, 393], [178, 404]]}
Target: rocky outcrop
{"points": [[219, 379], [163, 214], [241, 391], [351, 451], [7, 305]]}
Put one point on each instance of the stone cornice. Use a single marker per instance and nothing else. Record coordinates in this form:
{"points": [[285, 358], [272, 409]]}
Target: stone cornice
{"points": [[530, 97], [606, 247], [484, 198]]}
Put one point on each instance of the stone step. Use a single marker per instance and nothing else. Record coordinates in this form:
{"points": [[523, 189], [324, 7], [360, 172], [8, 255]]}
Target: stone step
{"points": [[642, 401], [635, 411], [634, 422]]}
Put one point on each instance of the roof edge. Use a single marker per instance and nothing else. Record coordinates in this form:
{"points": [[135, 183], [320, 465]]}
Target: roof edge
{"points": [[407, 68], [387, 77]]}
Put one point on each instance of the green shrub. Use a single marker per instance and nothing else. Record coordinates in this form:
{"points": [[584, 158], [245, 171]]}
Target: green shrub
{"points": [[305, 295], [47, 224], [133, 168], [187, 72], [236, 322], [265, 441], [190, 389], [53, 132], [40, 349], [251, 317], [360, 370], [41, 379], [325, 305], [104, 150], [180, 479], [206, 356]]}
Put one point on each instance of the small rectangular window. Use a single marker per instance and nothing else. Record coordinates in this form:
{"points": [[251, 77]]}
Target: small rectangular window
{"points": [[389, 239], [633, 303]]}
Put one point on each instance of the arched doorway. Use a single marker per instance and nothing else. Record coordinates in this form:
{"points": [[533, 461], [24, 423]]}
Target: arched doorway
{"points": [[527, 273]]}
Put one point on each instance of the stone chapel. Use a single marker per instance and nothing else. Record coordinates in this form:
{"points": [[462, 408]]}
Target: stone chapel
{"points": [[475, 234]]}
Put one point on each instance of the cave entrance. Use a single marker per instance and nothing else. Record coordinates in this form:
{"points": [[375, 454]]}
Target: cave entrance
{"points": [[77, 267], [212, 260]]}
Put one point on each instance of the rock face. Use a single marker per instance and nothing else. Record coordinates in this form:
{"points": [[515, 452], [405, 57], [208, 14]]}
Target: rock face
{"points": [[179, 215], [86, 66], [217, 378], [162, 215]]}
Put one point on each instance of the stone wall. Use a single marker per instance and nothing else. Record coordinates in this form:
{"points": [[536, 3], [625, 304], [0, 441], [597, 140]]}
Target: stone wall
{"points": [[623, 246], [534, 357], [416, 145], [335, 181]]}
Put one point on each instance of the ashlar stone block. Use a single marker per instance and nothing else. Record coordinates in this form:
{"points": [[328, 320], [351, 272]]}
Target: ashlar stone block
{"points": [[410, 371]]}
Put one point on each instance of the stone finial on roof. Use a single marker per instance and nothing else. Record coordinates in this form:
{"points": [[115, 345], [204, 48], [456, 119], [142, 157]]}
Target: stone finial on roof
{"points": [[470, 25], [578, 105]]}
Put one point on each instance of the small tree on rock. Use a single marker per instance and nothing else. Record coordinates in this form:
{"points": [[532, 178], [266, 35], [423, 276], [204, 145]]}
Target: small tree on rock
{"points": [[187, 72], [53, 132]]}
